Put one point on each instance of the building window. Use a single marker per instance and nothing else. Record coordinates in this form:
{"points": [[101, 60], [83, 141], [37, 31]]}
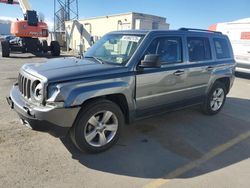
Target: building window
{"points": [[155, 25]]}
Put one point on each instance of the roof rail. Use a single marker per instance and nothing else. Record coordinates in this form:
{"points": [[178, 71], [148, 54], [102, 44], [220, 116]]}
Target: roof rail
{"points": [[202, 30]]}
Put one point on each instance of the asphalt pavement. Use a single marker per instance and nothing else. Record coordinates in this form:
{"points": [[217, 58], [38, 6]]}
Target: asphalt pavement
{"points": [[179, 149]]}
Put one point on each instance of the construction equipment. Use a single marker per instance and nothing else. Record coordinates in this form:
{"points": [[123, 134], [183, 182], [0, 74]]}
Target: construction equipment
{"points": [[28, 32]]}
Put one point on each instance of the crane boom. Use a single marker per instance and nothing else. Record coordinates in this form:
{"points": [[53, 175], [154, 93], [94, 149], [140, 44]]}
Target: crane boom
{"points": [[25, 5], [9, 1], [29, 14]]}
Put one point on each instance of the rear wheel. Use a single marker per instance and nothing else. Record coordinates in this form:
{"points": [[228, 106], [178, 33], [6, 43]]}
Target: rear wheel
{"points": [[215, 99], [5, 48], [97, 126], [55, 48], [45, 46]]}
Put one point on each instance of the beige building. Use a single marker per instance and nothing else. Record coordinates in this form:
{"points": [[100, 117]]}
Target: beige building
{"points": [[81, 34]]}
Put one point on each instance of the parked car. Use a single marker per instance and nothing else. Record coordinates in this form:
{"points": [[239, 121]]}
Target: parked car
{"points": [[10, 37], [6, 37], [125, 76]]}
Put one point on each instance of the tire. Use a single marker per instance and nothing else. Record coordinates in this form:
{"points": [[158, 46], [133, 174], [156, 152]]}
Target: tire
{"points": [[215, 99], [55, 48], [96, 137], [45, 47], [5, 48]]}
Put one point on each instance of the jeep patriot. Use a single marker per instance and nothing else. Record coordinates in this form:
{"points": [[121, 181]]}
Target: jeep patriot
{"points": [[125, 76]]}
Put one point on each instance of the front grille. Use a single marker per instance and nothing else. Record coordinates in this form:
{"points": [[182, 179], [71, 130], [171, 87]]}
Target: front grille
{"points": [[24, 85]]}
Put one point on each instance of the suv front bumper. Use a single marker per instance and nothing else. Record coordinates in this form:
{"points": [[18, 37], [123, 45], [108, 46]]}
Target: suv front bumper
{"points": [[56, 121]]}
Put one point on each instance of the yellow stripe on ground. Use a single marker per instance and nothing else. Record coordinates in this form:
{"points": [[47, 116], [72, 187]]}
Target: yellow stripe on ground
{"points": [[211, 154]]}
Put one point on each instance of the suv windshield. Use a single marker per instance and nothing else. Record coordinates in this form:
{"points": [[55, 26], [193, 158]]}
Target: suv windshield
{"points": [[115, 48]]}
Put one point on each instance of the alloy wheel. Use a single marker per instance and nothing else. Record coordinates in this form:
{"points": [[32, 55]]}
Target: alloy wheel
{"points": [[217, 99], [101, 128]]}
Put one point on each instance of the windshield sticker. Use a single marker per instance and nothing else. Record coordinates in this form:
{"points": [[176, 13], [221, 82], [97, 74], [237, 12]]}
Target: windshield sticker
{"points": [[131, 38]]}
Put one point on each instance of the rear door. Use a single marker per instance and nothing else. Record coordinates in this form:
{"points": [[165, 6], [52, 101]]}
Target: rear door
{"points": [[200, 63]]}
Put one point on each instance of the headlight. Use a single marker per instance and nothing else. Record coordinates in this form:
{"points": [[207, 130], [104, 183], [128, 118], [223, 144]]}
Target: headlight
{"points": [[37, 91]]}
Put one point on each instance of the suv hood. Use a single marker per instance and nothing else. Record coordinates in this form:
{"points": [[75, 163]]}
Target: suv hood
{"points": [[64, 69]]}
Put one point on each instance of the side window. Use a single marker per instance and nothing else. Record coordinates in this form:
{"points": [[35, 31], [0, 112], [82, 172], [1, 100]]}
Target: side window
{"points": [[168, 48], [198, 49], [221, 48]]}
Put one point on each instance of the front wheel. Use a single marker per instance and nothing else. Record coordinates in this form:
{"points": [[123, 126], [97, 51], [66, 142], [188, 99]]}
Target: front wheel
{"points": [[97, 126], [215, 99]]}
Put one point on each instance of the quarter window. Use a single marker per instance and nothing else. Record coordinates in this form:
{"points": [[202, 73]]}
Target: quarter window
{"points": [[168, 48], [221, 48], [198, 49]]}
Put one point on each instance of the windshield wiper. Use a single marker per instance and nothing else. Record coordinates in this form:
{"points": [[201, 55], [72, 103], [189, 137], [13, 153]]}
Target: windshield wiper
{"points": [[95, 58]]}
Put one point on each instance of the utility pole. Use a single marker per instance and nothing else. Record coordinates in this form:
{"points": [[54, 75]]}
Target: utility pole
{"points": [[64, 10]]}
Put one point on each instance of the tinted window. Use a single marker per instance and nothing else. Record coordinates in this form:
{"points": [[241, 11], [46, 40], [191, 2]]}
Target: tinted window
{"points": [[221, 48], [168, 48], [198, 49]]}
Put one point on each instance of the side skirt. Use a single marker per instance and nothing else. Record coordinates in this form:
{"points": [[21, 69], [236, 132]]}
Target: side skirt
{"points": [[168, 108]]}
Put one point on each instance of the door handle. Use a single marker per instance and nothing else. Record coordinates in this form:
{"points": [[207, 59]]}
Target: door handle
{"points": [[209, 68], [179, 72]]}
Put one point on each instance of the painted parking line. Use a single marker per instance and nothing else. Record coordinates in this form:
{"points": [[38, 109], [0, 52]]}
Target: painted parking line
{"points": [[194, 164]]}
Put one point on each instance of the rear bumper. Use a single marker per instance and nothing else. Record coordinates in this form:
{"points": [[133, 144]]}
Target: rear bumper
{"points": [[243, 66], [243, 70], [56, 121]]}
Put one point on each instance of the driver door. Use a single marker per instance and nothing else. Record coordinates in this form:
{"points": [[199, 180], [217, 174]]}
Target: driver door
{"points": [[158, 87]]}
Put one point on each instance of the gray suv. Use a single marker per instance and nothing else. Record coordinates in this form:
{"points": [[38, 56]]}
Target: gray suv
{"points": [[125, 76]]}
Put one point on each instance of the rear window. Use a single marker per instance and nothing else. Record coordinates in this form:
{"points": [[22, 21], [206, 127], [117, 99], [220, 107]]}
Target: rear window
{"points": [[221, 48], [198, 49]]}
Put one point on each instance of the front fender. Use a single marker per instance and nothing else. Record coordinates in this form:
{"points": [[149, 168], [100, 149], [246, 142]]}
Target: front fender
{"points": [[75, 94], [80, 94]]}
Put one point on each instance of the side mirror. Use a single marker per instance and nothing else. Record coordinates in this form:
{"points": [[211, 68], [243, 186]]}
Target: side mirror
{"points": [[151, 61]]}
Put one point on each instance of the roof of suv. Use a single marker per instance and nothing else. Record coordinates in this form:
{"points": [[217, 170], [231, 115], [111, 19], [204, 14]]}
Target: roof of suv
{"points": [[179, 31]]}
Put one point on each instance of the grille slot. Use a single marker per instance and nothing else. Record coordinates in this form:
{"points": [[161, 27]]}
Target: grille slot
{"points": [[24, 85], [21, 84], [28, 88]]}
